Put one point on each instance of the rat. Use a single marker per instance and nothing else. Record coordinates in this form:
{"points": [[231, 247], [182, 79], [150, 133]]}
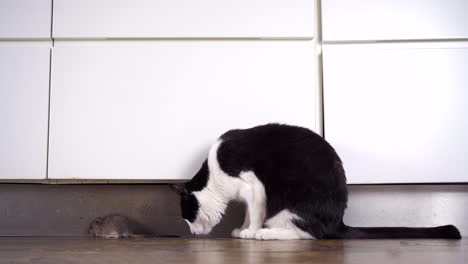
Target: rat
{"points": [[115, 226]]}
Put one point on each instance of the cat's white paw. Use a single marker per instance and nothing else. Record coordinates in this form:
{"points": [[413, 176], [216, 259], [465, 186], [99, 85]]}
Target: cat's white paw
{"points": [[247, 233], [265, 234], [236, 232]]}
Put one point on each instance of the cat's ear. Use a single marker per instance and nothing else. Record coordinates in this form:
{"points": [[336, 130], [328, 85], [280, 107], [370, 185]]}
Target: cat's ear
{"points": [[179, 188], [98, 220]]}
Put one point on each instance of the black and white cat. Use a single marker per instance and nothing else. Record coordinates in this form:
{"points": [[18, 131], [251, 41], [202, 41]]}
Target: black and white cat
{"points": [[293, 184]]}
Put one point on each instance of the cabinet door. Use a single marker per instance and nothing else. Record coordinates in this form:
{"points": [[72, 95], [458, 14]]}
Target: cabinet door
{"points": [[153, 112], [24, 98], [394, 19], [183, 19], [396, 113], [25, 19]]}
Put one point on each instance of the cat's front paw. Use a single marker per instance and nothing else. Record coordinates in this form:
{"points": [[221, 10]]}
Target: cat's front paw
{"points": [[247, 233], [236, 233], [243, 233]]}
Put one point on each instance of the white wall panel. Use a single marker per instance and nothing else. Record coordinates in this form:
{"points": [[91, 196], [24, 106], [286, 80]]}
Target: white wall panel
{"points": [[24, 97], [153, 112], [183, 19], [25, 19], [396, 113], [394, 19]]}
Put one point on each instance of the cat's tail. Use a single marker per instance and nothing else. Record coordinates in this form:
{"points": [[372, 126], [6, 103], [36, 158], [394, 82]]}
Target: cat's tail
{"points": [[445, 232]]}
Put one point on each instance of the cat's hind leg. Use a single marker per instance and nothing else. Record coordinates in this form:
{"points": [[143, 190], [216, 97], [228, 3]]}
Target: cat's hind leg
{"points": [[281, 227], [276, 234]]}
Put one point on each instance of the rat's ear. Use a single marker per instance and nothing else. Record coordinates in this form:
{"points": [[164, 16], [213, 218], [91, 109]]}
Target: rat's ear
{"points": [[98, 220], [179, 188]]}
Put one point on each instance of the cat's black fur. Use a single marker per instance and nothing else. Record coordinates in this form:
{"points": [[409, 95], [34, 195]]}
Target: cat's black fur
{"points": [[301, 172], [188, 201]]}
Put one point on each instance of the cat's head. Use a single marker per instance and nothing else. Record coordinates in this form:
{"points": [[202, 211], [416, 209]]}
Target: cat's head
{"points": [[199, 209]]}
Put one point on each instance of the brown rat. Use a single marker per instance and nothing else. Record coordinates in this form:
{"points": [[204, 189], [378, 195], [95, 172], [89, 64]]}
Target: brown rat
{"points": [[114, 226]]}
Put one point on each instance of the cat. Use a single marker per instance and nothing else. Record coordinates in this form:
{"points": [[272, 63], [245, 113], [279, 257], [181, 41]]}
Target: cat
{"points": [[292, 182]]}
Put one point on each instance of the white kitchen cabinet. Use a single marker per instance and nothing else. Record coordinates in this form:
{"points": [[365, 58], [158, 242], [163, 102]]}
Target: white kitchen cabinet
{"points": [[24, 98], [347, 20], [397, 113], [183, 19], [153, 112], [25, 19]]}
